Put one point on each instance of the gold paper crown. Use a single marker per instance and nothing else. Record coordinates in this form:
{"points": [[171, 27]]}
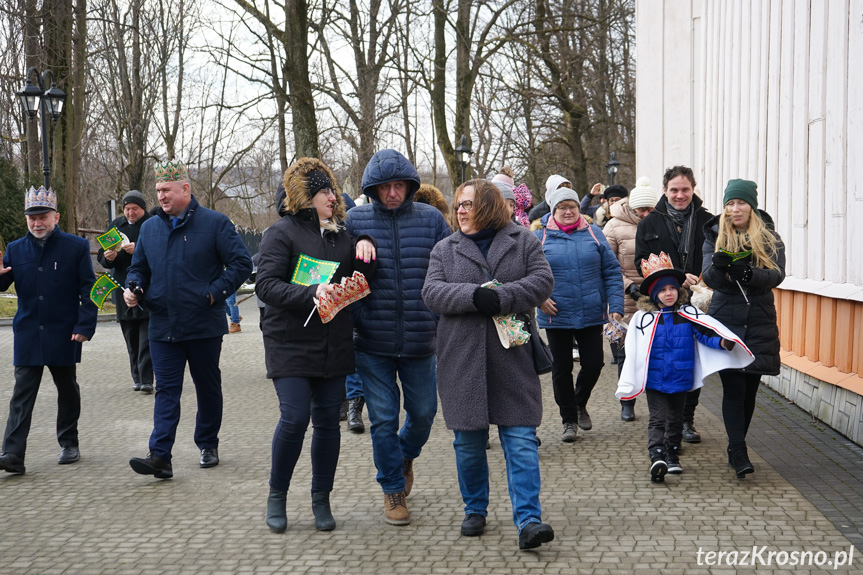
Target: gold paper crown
{"points": [[345, 293], [40, 198], [170, 171], [656, 263]]}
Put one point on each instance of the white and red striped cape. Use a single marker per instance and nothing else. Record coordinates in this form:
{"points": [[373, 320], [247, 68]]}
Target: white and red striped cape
{"points": [[639, 339]]}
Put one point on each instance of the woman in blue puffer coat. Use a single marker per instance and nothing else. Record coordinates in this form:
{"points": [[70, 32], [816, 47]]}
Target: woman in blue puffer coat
{"points": [[588, 286]]}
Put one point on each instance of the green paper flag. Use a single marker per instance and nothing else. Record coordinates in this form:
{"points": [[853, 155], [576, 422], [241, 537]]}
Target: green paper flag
{"points": [[736, 256], [311, 271], [102, 289], [110, 239]]}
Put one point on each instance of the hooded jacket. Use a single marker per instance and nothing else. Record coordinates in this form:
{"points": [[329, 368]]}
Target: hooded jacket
{"points": [[180, 268], [317, 349], [753, 320], [653, 236], [587, 278], [394, 320]]}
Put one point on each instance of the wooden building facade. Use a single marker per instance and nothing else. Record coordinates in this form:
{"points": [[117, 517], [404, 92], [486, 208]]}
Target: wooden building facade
{"points": [[768, 90]]}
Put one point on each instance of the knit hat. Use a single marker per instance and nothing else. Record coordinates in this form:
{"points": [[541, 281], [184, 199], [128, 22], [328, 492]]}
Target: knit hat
{"points": [[523, 200], [560, 195], [317, 181], [657, 285], [642, 195], [615, 191], [745, 190], [553, 183], [505, 176], [135, 197], [505, 189]]}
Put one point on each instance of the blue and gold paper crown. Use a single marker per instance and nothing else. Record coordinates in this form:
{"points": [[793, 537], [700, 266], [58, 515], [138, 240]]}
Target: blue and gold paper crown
{"points": [[41, 200], [170, 171]]}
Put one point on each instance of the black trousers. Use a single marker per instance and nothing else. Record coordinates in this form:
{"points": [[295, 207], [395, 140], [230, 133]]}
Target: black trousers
{"points": [[138, 346], [566, 395], [27, 382], [738, 402], [665, 426], [691, 404]]}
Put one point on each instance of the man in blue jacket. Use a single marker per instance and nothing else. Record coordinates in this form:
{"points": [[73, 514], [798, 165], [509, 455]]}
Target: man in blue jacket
{"points": [[395, 331], [187, 261], [53, 276]]}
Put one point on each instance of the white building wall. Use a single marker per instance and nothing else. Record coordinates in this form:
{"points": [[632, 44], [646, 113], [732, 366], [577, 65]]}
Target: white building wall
{"points": [[770, 91]]}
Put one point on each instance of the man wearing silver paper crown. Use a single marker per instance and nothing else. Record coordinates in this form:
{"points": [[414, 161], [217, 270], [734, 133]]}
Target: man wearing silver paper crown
{"points": [[187, 261], [53, 276], [134, 321]]}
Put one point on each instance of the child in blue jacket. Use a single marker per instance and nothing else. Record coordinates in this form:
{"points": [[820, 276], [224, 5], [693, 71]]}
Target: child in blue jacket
{"points": [[670, 348]]}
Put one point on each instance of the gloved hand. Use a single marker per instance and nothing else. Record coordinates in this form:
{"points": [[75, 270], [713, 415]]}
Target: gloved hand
{"points": [[486, 301], [727, 344], [633, 292], [740, 272], [722, 261]]}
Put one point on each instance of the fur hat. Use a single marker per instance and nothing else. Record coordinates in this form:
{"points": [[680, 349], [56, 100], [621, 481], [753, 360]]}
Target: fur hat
{"points": [[642, 195], [297, 187]]}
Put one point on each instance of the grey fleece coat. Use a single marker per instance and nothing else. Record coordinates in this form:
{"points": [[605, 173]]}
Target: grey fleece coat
{"points": [[480, 382]]}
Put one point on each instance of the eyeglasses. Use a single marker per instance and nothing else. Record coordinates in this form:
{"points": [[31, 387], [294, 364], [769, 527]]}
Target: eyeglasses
{"points": [[467, 205], [327, 191], [564, 210]]}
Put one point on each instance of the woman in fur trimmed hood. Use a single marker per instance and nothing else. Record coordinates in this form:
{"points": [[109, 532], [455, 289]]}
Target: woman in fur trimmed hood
{"points": [[429, 194], [306, 358]]}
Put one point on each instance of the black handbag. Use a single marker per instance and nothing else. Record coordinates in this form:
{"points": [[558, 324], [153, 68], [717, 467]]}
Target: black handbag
{"points": [[541, 353]]}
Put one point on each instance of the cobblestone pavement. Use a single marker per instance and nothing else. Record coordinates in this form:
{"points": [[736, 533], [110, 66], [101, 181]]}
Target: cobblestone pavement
{"points": [[98, 516]]}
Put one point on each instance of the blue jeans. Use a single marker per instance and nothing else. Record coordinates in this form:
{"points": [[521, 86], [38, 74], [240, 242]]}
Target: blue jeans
{"points": [[353, 386], [169, 365], [231, 308], [302, 399], [522, 472], [392, 446]]}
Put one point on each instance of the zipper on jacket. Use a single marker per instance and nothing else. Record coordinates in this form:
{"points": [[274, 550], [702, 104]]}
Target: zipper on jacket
{"points": [[399, 298]]}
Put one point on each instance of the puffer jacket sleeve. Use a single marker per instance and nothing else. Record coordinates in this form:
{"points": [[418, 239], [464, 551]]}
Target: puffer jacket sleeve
{"points": [[612, 276], [767, 279]]}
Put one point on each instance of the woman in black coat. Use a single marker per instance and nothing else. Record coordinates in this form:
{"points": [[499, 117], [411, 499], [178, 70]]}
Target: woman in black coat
{"points": [[744, 259], [307, 362]]}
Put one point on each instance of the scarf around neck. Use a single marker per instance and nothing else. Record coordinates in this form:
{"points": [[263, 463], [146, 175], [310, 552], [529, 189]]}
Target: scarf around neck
{"points": [[681, 224]]}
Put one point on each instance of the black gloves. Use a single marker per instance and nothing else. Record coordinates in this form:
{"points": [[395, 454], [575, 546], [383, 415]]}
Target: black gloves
{"points": [[727, 344], [633, 291], [721, 260], [740, 272], [486, 301]]}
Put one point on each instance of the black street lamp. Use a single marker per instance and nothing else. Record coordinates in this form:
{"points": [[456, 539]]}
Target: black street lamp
{"points": [[51, 100], [612, 166], [463, 154]]}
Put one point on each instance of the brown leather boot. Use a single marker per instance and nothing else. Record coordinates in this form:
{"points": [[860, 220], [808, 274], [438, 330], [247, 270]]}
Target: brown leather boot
{"points": [[396, 509]]}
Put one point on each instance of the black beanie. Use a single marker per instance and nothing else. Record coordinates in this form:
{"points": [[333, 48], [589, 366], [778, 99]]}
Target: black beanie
{"points": [[317, 180], [135, 197], [615, 191]]}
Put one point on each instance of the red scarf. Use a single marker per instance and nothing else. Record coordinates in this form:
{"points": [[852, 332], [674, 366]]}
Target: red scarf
{"points": [[568, 229]]}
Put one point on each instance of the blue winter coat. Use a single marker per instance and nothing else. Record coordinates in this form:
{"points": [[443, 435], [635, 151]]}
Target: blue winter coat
{"points": [[179, 269], [393, 320], [53, 284], [672, 353], [588, 283]]}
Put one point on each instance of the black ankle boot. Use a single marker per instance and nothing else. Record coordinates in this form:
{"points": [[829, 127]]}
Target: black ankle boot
{"points": [[321, 508], [740, 460], [277, 518], [355, 415]]}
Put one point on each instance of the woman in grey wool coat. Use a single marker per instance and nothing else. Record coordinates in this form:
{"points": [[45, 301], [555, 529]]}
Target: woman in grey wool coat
{"points": [[479, 381]]}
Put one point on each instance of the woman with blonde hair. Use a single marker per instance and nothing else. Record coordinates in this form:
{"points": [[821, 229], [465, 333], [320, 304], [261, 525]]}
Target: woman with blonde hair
{"points": [[744, 259]]}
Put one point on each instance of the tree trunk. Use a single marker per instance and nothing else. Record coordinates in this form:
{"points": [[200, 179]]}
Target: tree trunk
{"points": [[305, 124]]}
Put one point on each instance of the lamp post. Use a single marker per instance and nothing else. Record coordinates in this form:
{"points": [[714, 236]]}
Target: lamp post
{"points": [[51, 100], [612, 166], [463, 154]]}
